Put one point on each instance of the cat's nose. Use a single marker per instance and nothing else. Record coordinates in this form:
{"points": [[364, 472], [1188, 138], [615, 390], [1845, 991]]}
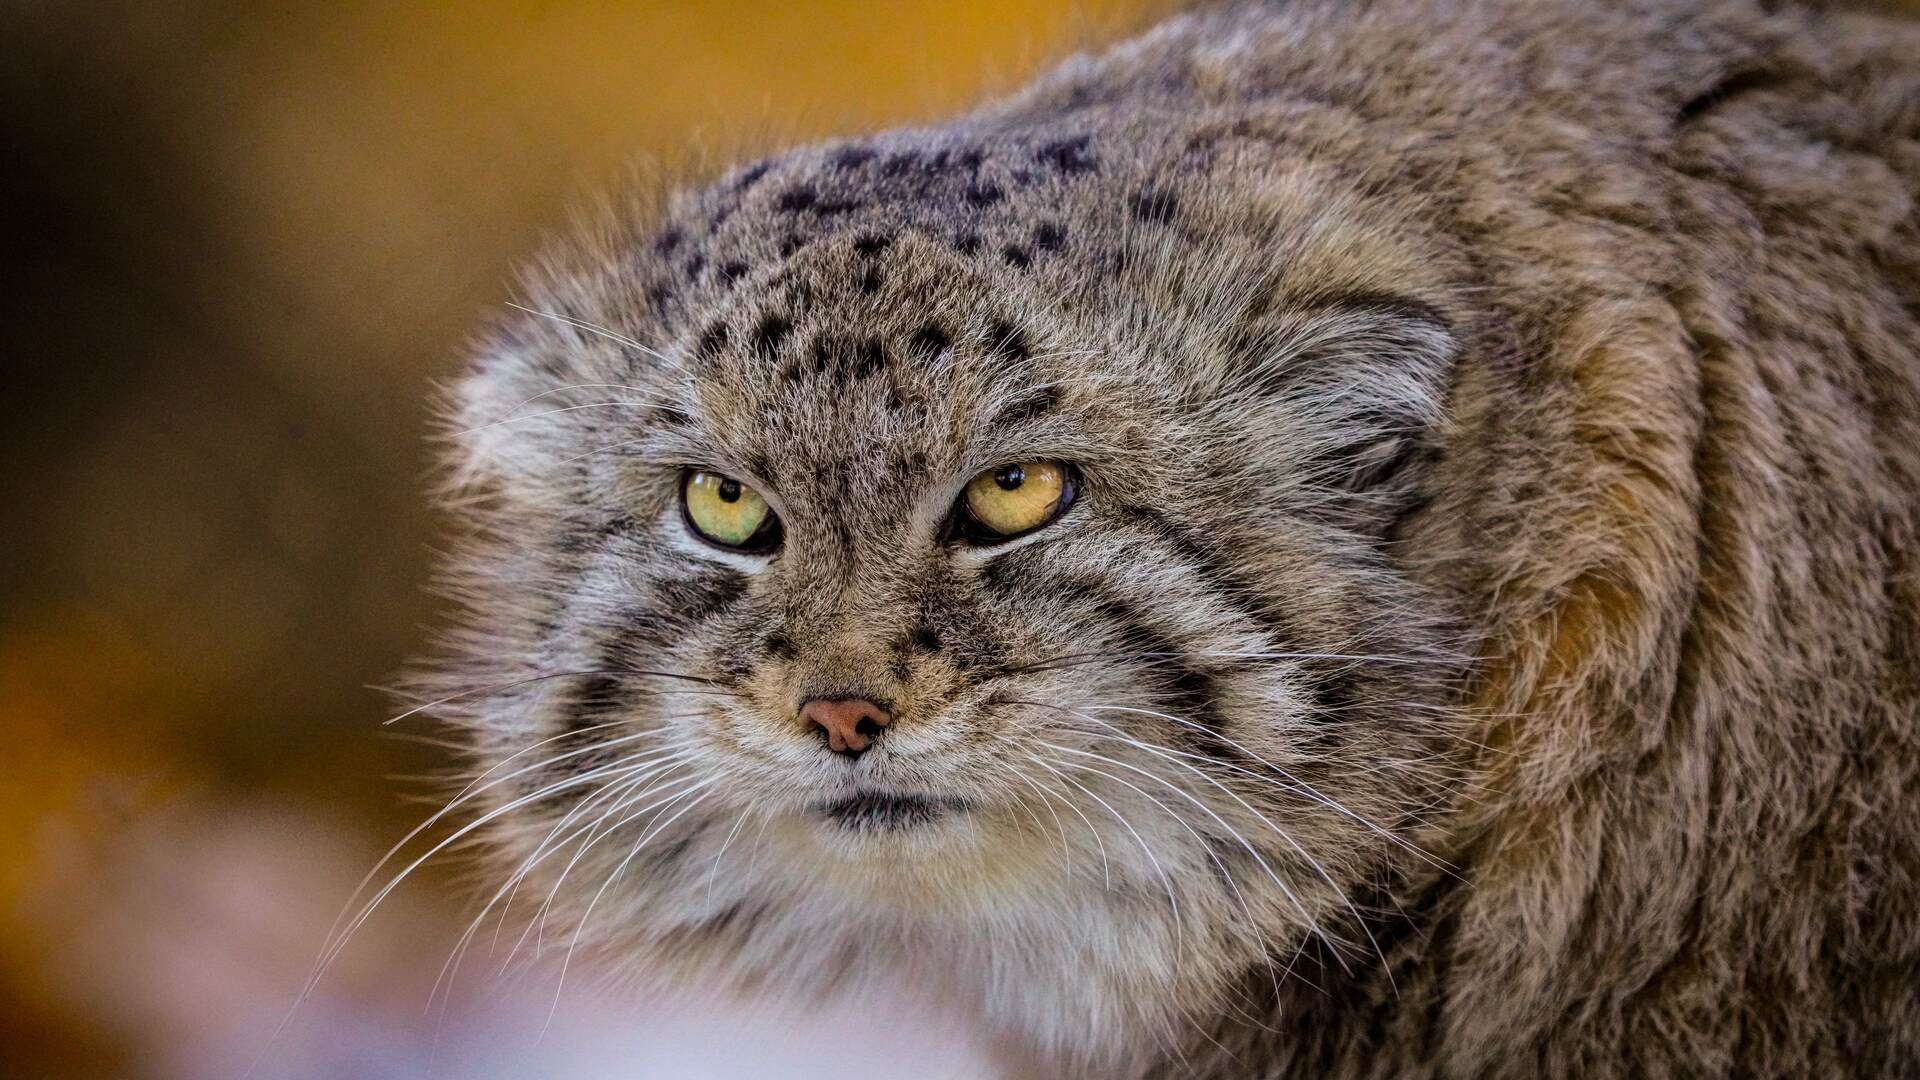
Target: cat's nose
{"points": [[851, 724]]}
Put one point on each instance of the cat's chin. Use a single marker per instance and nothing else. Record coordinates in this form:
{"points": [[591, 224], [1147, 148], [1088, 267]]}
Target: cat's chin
{"points": [[879, 812]]}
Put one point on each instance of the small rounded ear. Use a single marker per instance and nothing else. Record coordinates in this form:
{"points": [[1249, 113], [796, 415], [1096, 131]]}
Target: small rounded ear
{"points": [[484, 410], [1351, 386], [538, 388]]}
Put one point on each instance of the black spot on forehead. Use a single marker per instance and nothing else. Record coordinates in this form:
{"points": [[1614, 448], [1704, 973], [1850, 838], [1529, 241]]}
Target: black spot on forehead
{"points": [[872, 244], [713, 340], [1006, 341], [852, 157], [984, 195], [768, 335], [1017, 257], [928, 342], [868, 358], [753, 174], [1049, 236], [1070, 156], [1155, 205], [844, 358], [800, 197]]}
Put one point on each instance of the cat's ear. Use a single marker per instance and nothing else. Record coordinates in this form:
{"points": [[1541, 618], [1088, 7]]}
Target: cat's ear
{"points": [[1348, 387], [535, 390]]}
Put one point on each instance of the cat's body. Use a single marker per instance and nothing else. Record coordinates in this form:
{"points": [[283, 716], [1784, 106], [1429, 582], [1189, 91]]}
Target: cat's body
{"points": [[1486, 641]]}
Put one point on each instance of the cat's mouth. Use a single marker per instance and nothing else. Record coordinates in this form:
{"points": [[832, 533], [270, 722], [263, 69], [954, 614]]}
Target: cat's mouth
{"points": [[881, 811]]}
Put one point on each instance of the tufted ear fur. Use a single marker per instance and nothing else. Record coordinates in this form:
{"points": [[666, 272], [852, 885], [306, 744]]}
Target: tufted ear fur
{"points": [[1352, 382]]}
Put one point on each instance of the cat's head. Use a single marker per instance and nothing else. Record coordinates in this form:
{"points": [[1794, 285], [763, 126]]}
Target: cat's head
{"points": [[970, 543]]}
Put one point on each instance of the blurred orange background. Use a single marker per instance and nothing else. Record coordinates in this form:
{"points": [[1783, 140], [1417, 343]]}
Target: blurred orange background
{"points": [[245, 242]]}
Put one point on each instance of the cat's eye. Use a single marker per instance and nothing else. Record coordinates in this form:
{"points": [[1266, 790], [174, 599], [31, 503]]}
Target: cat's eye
{"points": [[727, 513], [1012, 500]]}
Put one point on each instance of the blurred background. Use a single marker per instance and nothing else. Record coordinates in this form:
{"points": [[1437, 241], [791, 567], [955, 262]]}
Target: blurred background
{"points": [[243, 241]]}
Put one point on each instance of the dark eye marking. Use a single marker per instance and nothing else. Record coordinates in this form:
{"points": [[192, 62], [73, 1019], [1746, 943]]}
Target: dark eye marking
{"points": [[778, 645], [1181, 684], [1029, 406]]}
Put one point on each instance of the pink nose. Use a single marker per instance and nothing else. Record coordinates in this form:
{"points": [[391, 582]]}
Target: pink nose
{"points": [[851, 724]]}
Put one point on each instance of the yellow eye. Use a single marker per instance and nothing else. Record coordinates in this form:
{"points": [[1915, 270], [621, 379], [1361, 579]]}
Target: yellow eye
{"points": [[1014, 499], [729, 513]]}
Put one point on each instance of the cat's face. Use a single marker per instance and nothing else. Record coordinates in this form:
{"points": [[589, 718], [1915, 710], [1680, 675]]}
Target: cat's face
{"points": [[875, 599]]}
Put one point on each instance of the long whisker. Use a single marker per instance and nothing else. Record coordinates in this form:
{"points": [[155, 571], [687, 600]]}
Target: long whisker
{"points": [[332, 950], [473, 789], [623, 781], [1282, 833], [647, 404], [1294, 783], [1305, 915], [724, 845], [581, 926], [582, 324], [1172, 900], [515, 683], [1049, 796]]}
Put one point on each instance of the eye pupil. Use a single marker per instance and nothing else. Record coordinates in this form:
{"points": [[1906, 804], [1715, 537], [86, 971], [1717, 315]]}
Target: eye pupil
{"points": [[1009, 477], [729, 491]]}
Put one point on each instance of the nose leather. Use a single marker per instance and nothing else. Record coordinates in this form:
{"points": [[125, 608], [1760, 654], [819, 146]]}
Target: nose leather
{"points": [[851, 724]]}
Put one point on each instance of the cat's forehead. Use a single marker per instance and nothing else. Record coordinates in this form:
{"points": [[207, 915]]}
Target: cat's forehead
{"points": [[895, 356], [830, 311]]}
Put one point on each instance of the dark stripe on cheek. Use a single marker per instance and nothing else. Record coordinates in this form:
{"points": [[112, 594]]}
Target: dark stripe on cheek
{"points": [[592, 700], [698, 597], [1227, 584], [1179, 684], [1336, 687]]}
